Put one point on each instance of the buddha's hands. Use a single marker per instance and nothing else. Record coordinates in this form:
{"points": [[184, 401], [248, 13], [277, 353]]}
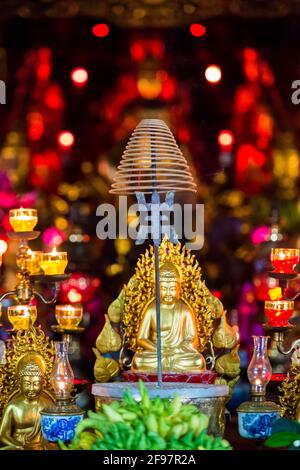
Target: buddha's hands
{"points": [[187, 346], [146, 344]]}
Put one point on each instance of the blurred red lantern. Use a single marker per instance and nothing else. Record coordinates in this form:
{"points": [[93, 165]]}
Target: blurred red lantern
{"points": [[79, 286]]}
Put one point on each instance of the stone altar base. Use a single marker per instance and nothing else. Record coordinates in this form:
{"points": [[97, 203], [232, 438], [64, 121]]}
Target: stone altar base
{"points": [[206, 377], [209, 398]]}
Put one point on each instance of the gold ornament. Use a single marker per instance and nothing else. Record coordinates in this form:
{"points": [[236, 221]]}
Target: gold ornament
{"points": [[229, 363], [32, 341], [290, 388], [224, 336], [25, 389], [105, 368], [108, 340]]}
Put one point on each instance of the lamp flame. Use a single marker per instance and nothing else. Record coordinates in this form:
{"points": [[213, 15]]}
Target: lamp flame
{"points": [[275, 293]]}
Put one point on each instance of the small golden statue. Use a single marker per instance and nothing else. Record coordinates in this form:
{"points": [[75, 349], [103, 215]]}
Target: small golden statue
{"points": [[20, 427], [25, 389], [189, 316], [178, 330], [290, 388]]}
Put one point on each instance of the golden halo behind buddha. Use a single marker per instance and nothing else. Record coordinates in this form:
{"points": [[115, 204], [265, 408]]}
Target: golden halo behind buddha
{"points": [[176, 262]]}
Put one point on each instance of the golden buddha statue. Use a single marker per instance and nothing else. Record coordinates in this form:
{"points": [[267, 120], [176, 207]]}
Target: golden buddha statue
{"points": [[179, 339], [190, 315], [20, 427]]}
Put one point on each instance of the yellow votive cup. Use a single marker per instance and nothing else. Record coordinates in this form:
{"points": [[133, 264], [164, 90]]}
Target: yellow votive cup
{"points": [[54, 263], [68, 316], [31, 262], [23, 219], [20, 315]]}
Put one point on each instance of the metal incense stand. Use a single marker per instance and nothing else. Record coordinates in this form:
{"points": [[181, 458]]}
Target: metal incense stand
{"points": [[157, 281], [152, 163]]}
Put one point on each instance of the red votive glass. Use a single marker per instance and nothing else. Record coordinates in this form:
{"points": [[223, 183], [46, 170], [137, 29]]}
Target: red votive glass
{"points": [[278, 312], [284, 260]]}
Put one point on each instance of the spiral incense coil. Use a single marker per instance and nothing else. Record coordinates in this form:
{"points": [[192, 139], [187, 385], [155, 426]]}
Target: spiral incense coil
{"points": [[152, 161]]}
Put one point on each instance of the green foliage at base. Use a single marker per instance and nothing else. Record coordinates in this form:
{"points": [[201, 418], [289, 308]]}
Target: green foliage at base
{"points": [[151, 424], [285, 433]]}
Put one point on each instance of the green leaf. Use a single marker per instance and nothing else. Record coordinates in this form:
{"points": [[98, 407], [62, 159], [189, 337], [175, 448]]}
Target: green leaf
{"points": [[281, 439], [284, 424]]}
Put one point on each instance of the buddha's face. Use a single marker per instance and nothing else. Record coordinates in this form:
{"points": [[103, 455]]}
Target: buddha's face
{"points": [[31, 386], [169, 292]]}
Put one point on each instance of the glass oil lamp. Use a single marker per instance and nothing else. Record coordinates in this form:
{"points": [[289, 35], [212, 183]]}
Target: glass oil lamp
{"points": [[54, 263], [21, 316], [284, 260], [259, 370], [60, 420], [68, 316], [255, 417], [23, 219], [62, 377]]}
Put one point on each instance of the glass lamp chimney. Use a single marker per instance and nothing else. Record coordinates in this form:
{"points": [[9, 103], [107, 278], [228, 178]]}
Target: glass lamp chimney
{"points": [[62, 377], [259, 370]]}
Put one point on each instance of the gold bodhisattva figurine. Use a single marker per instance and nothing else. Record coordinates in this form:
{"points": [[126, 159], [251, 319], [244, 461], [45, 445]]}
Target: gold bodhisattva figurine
{"points": [[178, 331], [193, 322], [20, 426]]}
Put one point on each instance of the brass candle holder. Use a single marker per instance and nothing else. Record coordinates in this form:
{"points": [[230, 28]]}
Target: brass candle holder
{"points": [[278, 311], [29, 263]]}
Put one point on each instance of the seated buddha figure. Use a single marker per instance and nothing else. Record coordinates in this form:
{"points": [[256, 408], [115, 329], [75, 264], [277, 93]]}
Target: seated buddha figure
{"points": [[179, 340], [20, 427]]}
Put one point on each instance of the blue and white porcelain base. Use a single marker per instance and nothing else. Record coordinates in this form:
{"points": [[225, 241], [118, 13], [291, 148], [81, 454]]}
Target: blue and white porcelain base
{"points": [[59, 427], [256, 425]]}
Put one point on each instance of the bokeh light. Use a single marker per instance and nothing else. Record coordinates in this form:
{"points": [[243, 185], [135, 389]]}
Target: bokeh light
{"points": [[79, 76], [100, 30], [74, 296], [213, 74], [197, 30], [225, 139], [3, 247], [65, 139]]}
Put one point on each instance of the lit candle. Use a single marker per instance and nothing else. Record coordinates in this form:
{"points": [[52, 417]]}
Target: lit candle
{"points": [[23, 220], [21, 316], [278, 312], [54, 262], [284, 259], [31, 262], [68, 316]]}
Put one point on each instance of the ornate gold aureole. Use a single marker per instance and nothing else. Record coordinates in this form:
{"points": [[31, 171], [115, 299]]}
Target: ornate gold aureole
{"points": [[141, 293], [26, 342], [290, 398]]}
